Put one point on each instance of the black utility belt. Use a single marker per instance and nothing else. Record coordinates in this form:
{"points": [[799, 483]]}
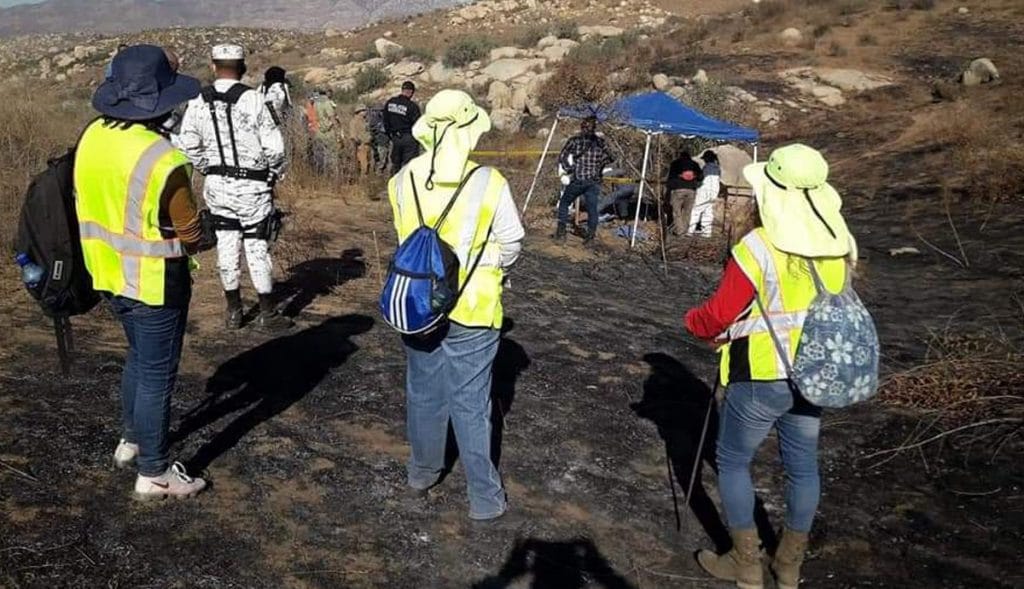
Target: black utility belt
{"points": [[239, 173]]}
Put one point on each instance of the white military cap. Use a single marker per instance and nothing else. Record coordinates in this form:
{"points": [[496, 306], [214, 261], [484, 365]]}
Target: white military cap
{"points": [[228, 51]]}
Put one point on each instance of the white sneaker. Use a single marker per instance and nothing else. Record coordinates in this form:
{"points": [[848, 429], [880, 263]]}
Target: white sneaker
{"points": [[125, 454], [173, 483]]}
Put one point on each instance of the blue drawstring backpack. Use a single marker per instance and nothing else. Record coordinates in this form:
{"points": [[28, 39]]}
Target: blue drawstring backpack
{"points": [[422, 285]]}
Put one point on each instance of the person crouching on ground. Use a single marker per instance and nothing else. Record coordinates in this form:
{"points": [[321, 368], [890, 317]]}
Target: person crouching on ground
{"points": [[448, 376], [800, 224], [584, 157], [132, 185]]}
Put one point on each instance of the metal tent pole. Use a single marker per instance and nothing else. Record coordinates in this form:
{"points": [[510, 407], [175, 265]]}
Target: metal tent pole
{"points": [[640, 194], [540, 164]]}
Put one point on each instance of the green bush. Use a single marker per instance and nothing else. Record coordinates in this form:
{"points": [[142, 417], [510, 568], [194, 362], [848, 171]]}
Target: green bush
{"points": [[369, 79], [566, 29], [867, 39], [466, 50], [417, 53], [529, 37]]}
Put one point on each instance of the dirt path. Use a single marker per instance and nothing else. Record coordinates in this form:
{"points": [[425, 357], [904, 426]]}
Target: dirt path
{"points": [[302, 437]]}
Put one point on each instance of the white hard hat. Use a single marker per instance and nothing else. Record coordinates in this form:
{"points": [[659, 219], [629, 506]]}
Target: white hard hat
{"points": [[228, 52]]}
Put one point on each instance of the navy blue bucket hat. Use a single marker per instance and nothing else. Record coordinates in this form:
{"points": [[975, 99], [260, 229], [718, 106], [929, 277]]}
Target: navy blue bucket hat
{"points": [[142, 85]]}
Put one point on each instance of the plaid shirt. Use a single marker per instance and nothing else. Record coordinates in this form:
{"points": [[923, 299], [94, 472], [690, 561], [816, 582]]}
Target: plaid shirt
{"points": [[589, 157]]}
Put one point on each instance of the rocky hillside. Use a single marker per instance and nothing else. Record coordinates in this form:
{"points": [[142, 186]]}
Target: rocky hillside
{"points": [[55, 16], [757, 63]]}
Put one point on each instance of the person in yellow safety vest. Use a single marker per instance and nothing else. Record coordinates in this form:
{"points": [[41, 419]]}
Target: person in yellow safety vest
{"points": [[801, 224], [139, 222], [449, 372]]}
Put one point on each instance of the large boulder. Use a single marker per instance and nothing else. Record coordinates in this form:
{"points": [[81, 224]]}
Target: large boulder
{"points": [[599, 31], [316, 75], [508, 69], [828, 95], [791, 37], [499, 96], [440, 74], [732, 159], [547, 42], [386, 48], [507, 120], [558, 51], [980, 71], [505, 53], [849, 80], [407, 69]]}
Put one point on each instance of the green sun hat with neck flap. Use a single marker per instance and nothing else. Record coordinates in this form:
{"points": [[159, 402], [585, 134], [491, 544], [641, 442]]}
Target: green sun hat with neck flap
{"points": [[799, 209]]}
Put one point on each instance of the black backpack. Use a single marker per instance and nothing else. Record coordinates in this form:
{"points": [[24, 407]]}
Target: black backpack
{"points": [[48, 232]]}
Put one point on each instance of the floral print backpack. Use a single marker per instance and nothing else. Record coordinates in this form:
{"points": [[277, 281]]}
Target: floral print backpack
{"points": [[836, 362]]}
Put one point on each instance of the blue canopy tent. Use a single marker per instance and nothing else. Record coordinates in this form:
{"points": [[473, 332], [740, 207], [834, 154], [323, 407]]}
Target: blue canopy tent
{"points": [[653, 113]]}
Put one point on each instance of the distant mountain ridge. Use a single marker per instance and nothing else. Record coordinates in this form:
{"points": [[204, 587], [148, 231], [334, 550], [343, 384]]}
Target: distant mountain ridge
{"points": [[113, 16]]}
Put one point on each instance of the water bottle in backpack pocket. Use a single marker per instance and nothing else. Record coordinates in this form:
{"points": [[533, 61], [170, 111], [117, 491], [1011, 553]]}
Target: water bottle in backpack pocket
{"points": [[422, 284]]}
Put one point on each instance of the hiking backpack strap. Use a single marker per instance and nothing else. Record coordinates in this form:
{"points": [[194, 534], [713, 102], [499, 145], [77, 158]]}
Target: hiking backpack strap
{"points": [[444, 215], [211, 96]]}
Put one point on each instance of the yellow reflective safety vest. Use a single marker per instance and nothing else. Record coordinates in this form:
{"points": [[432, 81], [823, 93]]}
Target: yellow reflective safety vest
{"points": [[467, 229], [784, 285], [120, 175]]}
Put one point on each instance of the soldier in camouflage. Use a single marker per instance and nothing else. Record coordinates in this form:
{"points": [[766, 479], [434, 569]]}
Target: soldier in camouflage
{"points": [[231, 136]]}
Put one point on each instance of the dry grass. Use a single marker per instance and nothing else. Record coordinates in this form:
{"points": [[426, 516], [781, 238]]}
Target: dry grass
{"points": [[34, 127], [985, 149]]}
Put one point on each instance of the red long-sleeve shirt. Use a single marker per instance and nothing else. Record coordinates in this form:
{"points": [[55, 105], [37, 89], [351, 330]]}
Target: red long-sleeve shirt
{"points": [[735, 293]]}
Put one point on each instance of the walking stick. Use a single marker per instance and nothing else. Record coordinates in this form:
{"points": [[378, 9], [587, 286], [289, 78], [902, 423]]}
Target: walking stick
{"points": [[703, 435]]}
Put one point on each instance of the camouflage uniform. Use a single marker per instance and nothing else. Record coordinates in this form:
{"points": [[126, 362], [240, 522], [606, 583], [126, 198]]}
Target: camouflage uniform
{"points": [[260, 146]]}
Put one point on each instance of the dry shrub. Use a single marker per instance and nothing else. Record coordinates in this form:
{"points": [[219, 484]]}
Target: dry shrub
{"points": [[574, 83], [986, 151], [960, 369]]}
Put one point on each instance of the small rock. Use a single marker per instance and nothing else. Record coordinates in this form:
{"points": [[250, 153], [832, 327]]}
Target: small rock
{"points": [[507, 120], [828, 95], [661, 82], [407, 69], [388, 34], [904, 251], [701, 77], [769, 114], [791, 37], [980, 71], [963, 10]]}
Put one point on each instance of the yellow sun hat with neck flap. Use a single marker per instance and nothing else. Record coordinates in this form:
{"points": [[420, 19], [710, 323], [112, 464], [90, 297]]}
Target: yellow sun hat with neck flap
{"points": [[449, 129], [799, 209]]}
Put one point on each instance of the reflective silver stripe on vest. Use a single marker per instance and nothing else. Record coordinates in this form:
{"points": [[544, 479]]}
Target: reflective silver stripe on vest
{"points": [[772, 299], [131, 267], [782, 322], [132, 246], [138, 185], [473, 196], [398, 193]]}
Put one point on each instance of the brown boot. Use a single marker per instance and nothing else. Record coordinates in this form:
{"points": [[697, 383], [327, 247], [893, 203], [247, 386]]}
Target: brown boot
{"points": [[741, 564], [788, 558]]}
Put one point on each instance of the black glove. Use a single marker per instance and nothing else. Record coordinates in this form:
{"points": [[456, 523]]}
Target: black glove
{"points": [[208, 239]]}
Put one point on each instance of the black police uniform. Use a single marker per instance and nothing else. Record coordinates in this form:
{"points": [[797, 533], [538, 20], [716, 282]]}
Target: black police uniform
{"points": [[400, 113]]}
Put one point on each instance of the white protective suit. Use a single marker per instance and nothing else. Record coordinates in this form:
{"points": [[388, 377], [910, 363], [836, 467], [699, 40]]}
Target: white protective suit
{"points": [[260, 146], [702, 216], [277, 97]]}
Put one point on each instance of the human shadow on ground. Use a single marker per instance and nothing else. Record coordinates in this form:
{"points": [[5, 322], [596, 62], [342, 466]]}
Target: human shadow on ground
{"points": [[572, 564], [315, 278], [262, 382], [510, 361], [677, 402]]}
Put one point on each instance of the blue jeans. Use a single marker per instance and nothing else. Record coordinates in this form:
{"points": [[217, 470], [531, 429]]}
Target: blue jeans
{"points": [[154, 337], [449, 378], [750, 410], [591, 192]]}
